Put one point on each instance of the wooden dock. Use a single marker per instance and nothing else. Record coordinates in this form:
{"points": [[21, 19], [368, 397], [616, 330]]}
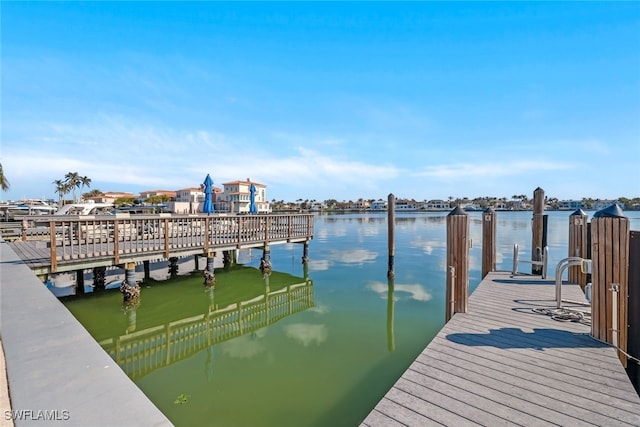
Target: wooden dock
{"points": [[502, 363], [57, 244]]}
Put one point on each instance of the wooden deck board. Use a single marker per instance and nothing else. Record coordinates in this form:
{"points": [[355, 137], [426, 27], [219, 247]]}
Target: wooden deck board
{"points": [[503, 364]]}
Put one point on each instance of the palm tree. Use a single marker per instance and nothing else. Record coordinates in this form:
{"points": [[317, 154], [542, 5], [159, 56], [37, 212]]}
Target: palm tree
{"points": [[4, 183], [84, 181], [73, 180], [61, 189]]}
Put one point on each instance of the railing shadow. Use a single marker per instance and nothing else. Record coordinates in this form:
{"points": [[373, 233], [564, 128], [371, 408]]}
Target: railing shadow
{"points": [[515, 338]]}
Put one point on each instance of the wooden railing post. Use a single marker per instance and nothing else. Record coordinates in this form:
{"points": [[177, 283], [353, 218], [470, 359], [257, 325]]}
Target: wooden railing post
{"points": [[488, 241], [458, 259], [54, 244], [610, 257], [578, 246]]}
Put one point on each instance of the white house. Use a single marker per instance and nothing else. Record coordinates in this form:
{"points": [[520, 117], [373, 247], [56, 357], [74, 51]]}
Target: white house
{"points": [[235, 197], [437, 205], [187, 200], [572, 205], [378, 205]]}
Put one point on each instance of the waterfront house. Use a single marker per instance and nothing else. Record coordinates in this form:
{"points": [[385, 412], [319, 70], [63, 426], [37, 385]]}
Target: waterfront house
{"points": [[437, 205], [111, 197], [187, 200], [569, 205], [235, 197], [378, 205], [404, 205], [153, 193]]}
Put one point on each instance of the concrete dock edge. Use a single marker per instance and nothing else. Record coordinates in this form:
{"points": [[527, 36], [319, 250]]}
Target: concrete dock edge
{"points": [[56, 372]]}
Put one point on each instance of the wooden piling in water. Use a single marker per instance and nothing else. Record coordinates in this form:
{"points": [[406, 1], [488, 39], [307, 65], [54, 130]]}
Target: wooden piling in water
{"points": [[305, 252], [578, 246], [79, 282], [537, 242], [457, 259], [488, 241], [610, 270], [147, 269], [391, 218]]}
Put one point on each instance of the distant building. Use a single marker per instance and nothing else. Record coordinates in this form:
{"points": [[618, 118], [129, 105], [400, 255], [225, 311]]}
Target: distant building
{"points": [[406, 205], [569, 205], [187, 201], [235, 197], [152, 193], [111, 197], [378, 205], [437, 205]]}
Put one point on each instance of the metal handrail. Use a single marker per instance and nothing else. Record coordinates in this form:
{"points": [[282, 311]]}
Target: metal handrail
{"points": [[585, 264], [543, 262]]}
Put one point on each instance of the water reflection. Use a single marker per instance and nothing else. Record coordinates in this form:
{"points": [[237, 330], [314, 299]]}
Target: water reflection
{"points": [[391, 341], [243, 319]]}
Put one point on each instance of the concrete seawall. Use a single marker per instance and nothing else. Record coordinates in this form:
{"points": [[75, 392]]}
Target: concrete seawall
{"points": [[57, 373]]}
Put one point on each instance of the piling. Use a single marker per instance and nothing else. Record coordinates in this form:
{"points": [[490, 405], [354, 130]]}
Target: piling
{"points": [[173, 267], [209, 271], [79, 282], [610, 277], [99, 278], [578, 246], [457, 262], [538, 238], [633, 344], [391, 218], [265, 261], [129, 287], [305, 252], [147, 270], [488, 241]]}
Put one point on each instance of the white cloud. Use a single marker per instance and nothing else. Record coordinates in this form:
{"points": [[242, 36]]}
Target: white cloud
{"points": [[244, 347], [415, 291], [353, 256], [307, 334], [478, 170]]}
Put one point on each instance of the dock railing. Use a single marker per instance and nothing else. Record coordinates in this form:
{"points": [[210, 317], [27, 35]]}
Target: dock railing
{"points": [[120, 238]]}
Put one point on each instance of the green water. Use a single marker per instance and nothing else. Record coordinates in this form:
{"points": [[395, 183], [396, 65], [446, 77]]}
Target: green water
{"points": [[339, 336]]}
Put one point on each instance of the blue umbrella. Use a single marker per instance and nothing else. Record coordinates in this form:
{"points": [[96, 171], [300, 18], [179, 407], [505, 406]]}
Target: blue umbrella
{"points": [[207, 206], [252, 199]]}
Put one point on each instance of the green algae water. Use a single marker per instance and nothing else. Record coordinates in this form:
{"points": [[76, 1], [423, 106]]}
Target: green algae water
{"points": [[313, 345]]}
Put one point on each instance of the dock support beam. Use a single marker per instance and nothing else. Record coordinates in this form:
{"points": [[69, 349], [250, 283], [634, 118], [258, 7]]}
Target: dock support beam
{"points": [[79, 282], [209, 272], [457, 290], [305, 252], [99, 278], [265, 261], [147, 270], [173, 267], [129, 288]]}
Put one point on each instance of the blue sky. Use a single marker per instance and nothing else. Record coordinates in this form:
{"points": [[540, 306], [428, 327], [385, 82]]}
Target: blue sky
{"points": [[324, 100]]}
